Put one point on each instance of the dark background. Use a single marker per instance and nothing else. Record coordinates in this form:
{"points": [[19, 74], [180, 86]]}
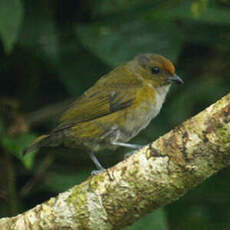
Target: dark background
{"points": [[51, 51]]}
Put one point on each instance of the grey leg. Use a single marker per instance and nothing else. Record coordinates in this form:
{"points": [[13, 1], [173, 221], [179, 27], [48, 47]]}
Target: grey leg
{"points": [[127, 145], [99, 167]]}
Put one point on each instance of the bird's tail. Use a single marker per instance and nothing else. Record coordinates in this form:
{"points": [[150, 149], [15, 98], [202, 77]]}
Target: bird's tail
{"points": [[36, 144]]}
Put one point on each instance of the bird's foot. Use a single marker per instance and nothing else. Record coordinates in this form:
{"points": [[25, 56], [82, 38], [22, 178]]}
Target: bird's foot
{"points": [[95, 172]]}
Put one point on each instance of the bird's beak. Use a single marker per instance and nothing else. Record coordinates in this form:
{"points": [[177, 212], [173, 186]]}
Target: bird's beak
{"points": [[175, 78]]}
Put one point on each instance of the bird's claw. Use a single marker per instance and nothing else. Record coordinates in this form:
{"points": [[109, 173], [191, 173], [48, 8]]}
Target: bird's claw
{"points": [[95, 172]]}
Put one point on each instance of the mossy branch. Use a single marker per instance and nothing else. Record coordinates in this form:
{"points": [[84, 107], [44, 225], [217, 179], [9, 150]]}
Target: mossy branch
{"points": [[156, 175]]}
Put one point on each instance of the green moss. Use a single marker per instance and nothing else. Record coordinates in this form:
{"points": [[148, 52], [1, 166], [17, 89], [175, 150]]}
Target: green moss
{"points": [[97, 179], [78, 199], [51, 201], [223, 134], [77, 196]]}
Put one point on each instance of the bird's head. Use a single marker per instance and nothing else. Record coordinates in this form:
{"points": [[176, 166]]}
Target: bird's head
{"points": [[157, 68]]}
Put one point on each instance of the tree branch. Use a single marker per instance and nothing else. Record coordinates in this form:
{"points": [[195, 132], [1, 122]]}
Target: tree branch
{"points": [[153, 177]]}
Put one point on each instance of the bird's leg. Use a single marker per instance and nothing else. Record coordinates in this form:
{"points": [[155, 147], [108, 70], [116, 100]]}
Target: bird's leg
{"points": [[99, 167], [132, 146]]}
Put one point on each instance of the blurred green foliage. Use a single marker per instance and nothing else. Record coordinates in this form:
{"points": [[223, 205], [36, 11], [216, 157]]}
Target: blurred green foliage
{"points": [[11, 14], [51, 51]]}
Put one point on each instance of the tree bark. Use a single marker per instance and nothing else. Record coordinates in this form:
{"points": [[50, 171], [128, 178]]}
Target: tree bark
{"points": [[151, 178]]}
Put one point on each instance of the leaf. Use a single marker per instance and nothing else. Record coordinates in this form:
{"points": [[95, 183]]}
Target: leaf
{"points": [[11, 15], [15, 146], [119, 43]]}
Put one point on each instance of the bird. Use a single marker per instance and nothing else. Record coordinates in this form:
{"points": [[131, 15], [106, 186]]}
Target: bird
{"points": [[115, 109]]}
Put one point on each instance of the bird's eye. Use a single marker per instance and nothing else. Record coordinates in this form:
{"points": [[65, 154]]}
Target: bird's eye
{"points": [[155, 70]]}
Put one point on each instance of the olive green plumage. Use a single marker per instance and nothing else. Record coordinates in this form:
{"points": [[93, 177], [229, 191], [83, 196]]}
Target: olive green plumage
{"points": [[116, 108]]}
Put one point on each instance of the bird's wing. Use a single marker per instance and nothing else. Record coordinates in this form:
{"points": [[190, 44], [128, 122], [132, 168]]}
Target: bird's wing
{"points": [[100, 100]]}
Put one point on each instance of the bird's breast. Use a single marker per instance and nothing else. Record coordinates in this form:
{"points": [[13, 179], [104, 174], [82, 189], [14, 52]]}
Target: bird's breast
{"points": [[147, 106]]}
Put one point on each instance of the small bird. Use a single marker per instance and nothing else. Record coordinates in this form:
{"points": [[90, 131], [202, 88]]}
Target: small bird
{"points": [[115, 109]]}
